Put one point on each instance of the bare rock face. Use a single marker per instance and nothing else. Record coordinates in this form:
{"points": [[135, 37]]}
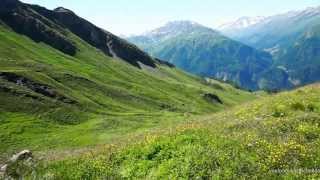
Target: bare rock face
{"points": [[17, 166]]}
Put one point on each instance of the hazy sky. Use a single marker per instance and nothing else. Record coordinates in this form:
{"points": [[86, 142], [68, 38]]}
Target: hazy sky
{"points": [[137, 16]]}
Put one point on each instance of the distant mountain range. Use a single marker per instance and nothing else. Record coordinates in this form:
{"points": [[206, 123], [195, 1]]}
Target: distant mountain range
{"points": [[292, 39], [206, 52], [269, 32]]}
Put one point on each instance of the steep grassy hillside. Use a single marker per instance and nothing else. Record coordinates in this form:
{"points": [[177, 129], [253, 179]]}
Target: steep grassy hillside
{"points": [[59, 91], [274, 137]]}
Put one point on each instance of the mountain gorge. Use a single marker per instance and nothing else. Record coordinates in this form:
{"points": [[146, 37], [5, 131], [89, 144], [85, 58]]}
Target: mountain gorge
{"points": [[205, 52]]}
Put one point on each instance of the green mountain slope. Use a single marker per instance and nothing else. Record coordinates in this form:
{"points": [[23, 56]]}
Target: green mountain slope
{"points": [[302, 59], [203, 51], [299, 65], [274, 137], [60, 89], [293, 40]]}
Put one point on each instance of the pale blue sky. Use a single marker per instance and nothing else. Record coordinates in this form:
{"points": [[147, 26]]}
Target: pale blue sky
{"points": [[137, 16]]}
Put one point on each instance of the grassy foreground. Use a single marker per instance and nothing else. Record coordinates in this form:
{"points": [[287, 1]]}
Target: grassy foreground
{"points": [[273, 137]]}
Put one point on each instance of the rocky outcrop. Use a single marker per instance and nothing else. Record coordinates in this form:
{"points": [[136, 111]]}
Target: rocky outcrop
{"points": [[17, 93], [212, 98], [39, 88], [17, 166], [162, 62]]}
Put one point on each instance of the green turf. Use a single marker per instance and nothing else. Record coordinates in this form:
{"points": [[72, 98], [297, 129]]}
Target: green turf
{"points": [[275, 137]]}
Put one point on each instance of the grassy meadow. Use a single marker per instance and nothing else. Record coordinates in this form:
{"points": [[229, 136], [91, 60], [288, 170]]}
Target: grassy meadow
{"points": [[273, 137]]}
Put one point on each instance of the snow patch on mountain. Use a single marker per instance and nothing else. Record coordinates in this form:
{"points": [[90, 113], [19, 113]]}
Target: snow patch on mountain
{"points": [[248, 22]]}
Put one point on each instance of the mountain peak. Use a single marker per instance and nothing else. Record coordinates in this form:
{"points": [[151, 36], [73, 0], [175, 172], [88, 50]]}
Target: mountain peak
{"points": [[63, 10], [182, 23], [175, 28]]}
